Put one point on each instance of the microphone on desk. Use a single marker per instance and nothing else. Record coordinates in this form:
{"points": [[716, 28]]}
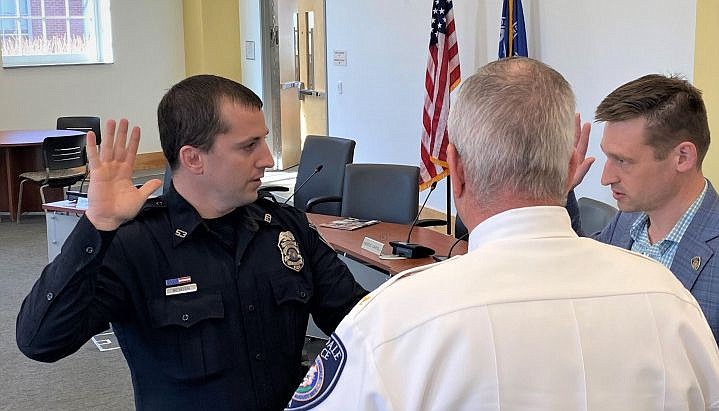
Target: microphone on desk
{"points": [[439, 258], [317, 170], [413, 250]]}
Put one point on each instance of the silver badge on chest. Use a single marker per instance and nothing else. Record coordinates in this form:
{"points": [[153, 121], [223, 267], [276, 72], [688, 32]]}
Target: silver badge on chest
{"points": [[291, 256]]}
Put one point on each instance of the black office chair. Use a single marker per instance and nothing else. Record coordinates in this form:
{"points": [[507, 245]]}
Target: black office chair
{"points": [[460, 230], [595, 215], [83, 124], [166, 179], [460, 233], [386, 192], [332, 153], [65, 164]]}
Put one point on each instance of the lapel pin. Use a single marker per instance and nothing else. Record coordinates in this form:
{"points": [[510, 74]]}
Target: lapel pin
{"points": [[696, 262], [268, 218], [181, 233]]}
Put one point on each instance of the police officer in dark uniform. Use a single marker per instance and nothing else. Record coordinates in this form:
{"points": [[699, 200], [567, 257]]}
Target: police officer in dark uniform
{"points": [[208, 289]]}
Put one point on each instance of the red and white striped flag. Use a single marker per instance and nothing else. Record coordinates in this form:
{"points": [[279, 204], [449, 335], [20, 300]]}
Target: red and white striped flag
{"points": [[442, 77]]}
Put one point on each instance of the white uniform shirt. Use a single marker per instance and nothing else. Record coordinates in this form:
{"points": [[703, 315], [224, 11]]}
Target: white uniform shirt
{"points": [[532, 318]]}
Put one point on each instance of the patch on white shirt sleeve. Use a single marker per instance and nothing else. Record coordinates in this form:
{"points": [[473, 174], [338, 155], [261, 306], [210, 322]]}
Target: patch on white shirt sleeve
{"points": [[321, 377]]}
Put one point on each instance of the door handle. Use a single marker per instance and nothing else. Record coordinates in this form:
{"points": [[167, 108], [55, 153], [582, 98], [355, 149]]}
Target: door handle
{"points": [[291, 84], [309, 92]]}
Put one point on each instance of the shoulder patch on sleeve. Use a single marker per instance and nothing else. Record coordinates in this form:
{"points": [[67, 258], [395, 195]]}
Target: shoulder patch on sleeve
{"points": [[321, 377], [152, 204]]}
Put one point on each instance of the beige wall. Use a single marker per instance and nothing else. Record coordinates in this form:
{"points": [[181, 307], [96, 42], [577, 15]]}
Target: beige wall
{"points": [[149, 59], [212, 38], [706, 76]]}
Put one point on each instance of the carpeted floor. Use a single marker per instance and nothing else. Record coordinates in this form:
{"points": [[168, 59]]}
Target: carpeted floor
{"points": [[86, 380]]}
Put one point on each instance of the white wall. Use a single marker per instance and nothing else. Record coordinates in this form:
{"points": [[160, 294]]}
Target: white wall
{"points": [[149, 58], [596, 45], [250, 30], [600, 45]]}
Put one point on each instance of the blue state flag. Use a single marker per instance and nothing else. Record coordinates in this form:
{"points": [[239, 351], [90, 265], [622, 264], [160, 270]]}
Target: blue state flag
{"points": [[512, 35]]}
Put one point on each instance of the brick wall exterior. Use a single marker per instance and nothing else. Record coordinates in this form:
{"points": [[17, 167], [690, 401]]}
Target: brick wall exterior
{"points": [[58, 28]]}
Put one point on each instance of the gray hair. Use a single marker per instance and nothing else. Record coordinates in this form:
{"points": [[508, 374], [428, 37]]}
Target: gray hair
{"points": [[513, 127]]}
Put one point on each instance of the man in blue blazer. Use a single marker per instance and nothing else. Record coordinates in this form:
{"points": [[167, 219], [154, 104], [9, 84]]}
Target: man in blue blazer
{"points": [[655, 138]]}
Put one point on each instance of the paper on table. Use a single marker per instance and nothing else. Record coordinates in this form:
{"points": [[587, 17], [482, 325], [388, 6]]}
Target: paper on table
{"points": [[349, 224]]}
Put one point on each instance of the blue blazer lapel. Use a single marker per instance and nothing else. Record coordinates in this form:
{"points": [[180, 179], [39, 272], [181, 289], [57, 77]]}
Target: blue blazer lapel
{"points": [[619, 236], [623, 239], [693, 252]]}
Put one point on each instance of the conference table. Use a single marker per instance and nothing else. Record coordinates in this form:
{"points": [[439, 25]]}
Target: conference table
{"points": [[350, 242], [21, 151]]}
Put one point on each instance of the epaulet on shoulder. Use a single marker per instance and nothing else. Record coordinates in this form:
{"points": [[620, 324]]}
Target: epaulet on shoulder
{"points": [[154, 203], [393, 280], [421, 269], [267, 204]]}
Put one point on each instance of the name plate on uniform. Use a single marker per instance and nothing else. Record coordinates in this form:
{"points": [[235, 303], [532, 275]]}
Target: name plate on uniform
{"points": [[373, 246], [181, 289]]}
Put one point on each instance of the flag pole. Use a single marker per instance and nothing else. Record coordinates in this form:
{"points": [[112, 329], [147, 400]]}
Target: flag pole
{"points": [[441, 77], [449, 205], [510, 29]]}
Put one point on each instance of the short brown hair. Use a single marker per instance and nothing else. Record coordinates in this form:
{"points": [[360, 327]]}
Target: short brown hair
{"points": [[673, 108], [190, 113]]}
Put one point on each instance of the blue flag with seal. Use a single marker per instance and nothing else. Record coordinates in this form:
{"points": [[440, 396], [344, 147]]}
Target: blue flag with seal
{"points": [[512, 35]]}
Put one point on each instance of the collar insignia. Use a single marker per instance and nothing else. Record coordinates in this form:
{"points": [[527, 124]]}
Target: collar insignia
{"points": [[268, 218], [291, 256], [181, 233]]}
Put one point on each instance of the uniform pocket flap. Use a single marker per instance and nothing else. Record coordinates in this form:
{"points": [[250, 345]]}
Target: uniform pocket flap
{"points": [[186, 310], [288, 289]]}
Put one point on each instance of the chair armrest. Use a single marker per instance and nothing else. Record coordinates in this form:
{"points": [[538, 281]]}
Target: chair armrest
{"points": [[319, 200], [430, 222], [273, 188]]}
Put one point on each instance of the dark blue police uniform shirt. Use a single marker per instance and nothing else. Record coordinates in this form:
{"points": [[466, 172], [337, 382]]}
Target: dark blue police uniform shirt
{"points": [[234, 343]]}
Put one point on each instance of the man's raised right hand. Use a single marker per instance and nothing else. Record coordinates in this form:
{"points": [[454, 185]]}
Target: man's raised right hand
{"points": [[112, 197]]}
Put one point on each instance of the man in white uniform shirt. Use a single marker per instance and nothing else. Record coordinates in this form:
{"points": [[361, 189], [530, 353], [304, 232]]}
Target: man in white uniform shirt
{"points": [[533, 317]]}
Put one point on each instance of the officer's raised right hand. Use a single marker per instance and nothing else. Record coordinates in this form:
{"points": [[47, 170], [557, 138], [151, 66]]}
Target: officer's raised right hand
{"points": [[112, 198]]}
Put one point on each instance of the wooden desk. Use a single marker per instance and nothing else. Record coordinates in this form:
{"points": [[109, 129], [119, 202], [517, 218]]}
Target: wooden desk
{"points": [[21, 151], [61, 217], [350, 242]]}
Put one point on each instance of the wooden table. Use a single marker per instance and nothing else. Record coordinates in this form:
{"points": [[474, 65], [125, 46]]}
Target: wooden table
{"points": [[350, 242], [21, 151]]}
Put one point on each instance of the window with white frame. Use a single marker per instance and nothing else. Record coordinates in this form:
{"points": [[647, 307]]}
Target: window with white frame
{"points": [[49, 32]]}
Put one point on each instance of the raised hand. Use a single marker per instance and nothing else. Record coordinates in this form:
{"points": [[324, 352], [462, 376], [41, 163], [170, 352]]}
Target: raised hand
{"points": [[581, 142], [112, 198]]}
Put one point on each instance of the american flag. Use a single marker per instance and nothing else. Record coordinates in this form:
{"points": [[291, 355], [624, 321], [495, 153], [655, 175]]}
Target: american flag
{"points": [[441, 78], [178, 281]]}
